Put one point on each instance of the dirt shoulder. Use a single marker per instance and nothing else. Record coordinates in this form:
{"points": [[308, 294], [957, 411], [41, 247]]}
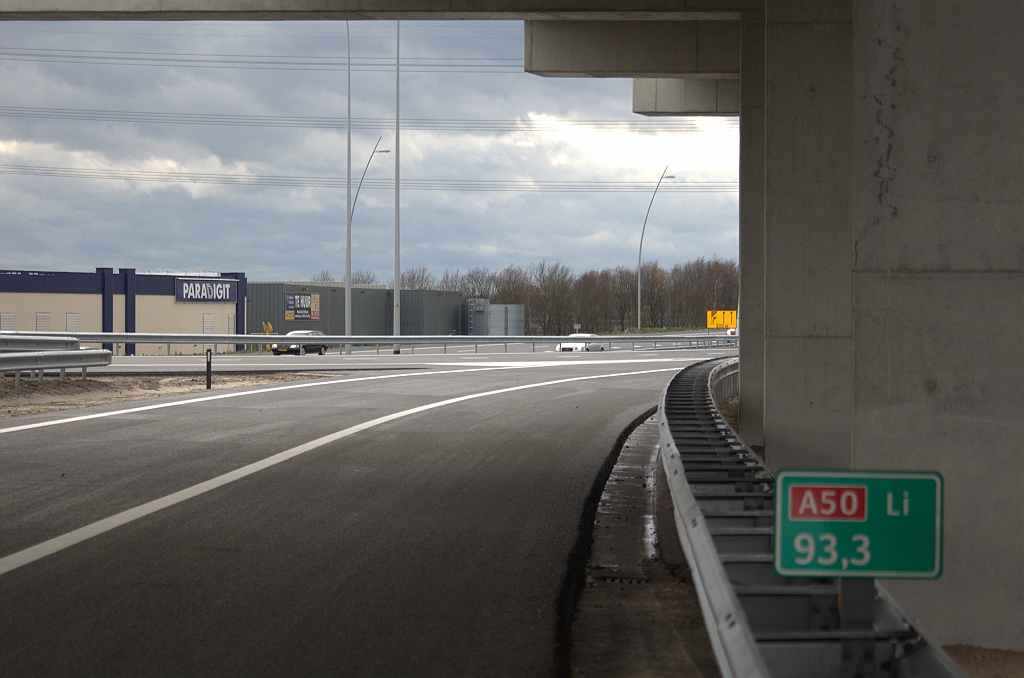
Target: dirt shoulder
{"points": [[53, 396]]}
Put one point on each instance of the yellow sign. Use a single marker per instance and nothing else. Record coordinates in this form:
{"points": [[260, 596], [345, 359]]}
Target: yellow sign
{"points": [[721, 320]]}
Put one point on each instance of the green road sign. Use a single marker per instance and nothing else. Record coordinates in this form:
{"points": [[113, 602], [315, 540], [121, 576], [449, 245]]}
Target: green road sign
{"points": [[858, 524]]}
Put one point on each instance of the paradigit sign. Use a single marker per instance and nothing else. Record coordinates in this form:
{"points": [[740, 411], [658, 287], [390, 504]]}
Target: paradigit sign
{"points": [[858, 524], [206, 290]]}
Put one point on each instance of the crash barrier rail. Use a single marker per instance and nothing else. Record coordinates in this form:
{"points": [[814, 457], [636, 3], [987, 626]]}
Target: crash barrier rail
{"points": [[37, 361], [19, 343], [760, 624], [666, 341]]}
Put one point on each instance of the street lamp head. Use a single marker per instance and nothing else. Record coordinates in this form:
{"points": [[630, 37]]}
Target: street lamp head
{"points": [[670, 176], [382, 151]]}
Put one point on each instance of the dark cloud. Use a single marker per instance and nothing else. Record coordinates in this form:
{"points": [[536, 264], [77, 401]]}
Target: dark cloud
{"points": [[293, 232]]}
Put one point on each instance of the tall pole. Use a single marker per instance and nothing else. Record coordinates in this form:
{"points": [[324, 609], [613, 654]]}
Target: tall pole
{"points": [[398, 202], [639, 312], [348, 207]]}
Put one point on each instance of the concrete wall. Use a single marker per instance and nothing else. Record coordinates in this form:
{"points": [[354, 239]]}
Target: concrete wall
{"points": [[938, 290], [161, 313], [154, 313], [25, 307]]}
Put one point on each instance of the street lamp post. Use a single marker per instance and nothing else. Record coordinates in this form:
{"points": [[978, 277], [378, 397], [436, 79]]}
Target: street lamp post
{"points": [[372, 153], [639, 311], [348, 251], [397, 318]]}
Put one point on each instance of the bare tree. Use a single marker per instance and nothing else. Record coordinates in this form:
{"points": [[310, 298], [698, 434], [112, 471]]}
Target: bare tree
{"points": [[478, 283], [451, 280], [553, 307], [364, 278], [624, 293], [655, 293], [511, 286], [322, 276], [592, 297], [418, 278], [700, 286]]}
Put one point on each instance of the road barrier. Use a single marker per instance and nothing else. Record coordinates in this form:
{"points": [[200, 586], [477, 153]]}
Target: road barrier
{"points": [[20, 343], [37, 361], [761, 624], [649, 342]]}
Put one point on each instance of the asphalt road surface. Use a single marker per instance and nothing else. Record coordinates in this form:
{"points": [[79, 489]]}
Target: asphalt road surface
{"points": [[392, 523]]}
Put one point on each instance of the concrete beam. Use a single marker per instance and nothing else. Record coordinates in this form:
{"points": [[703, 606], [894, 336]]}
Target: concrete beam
{"points": [[686, 96], [626, 49], [332, 10]]}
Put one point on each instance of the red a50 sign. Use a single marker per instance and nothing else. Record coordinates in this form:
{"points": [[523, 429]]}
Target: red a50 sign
{"points": [[830, 502]]}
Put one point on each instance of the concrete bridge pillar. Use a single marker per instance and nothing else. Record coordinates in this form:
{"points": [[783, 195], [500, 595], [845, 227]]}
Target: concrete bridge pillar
{"points": [[751, 307], [808, 242], [938, 290]]}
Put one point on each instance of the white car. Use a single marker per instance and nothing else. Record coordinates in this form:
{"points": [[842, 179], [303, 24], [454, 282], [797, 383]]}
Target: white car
{"points": [[567, 346]]}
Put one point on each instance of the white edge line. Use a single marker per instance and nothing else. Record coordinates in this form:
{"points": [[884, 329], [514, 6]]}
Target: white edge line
{"points": [[310, 384], [238, 394], [51, 546]]}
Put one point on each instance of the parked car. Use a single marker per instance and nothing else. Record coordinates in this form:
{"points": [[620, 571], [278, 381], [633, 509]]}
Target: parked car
{"points": [[305, 341], [568, 346]]}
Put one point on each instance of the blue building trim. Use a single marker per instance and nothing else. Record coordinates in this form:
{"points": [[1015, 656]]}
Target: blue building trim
{"points": [[129, 305], [106, 276], [239, 305], [51, 282]]}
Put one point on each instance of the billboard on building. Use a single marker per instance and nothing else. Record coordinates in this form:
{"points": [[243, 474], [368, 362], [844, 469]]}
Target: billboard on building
{"points": [[206, 290], [301, 306]]}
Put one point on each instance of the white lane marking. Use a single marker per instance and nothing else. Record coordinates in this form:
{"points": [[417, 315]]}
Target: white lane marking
{"points": [[222, 396], [51, 546], [477, 367]]}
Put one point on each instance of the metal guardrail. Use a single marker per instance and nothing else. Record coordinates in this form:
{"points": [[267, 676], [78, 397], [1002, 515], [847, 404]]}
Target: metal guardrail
{"points": [[20, 343], [761, 624], [731, 638], [655, 342], [37, 361]]}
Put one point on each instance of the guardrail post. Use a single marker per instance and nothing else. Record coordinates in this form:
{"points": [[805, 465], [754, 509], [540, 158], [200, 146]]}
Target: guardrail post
{"points": [[445, 347], [17, 379], [209, 369], [476, 348], [534, 349], [62, 375], [83, 373], [506, 347], [40, 375], [168, 350]]}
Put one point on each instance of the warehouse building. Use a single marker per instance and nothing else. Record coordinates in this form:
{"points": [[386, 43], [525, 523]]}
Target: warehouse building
{"points": [[287, 305], [122, 300], [127, 301]]}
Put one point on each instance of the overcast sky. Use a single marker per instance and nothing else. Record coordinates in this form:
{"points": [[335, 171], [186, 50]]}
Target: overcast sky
{"points": [[118, 198]]}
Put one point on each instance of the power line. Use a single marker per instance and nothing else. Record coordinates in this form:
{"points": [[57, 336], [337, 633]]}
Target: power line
{"points": [[260, 62], [488, 185], [508, 125]]}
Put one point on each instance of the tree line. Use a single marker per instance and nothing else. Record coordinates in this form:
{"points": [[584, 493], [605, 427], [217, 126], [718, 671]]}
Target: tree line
{"points": [[555, 298]]}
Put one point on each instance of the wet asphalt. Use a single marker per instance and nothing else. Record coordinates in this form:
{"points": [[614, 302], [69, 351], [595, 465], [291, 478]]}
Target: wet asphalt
{"points": [[432, 544]]}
